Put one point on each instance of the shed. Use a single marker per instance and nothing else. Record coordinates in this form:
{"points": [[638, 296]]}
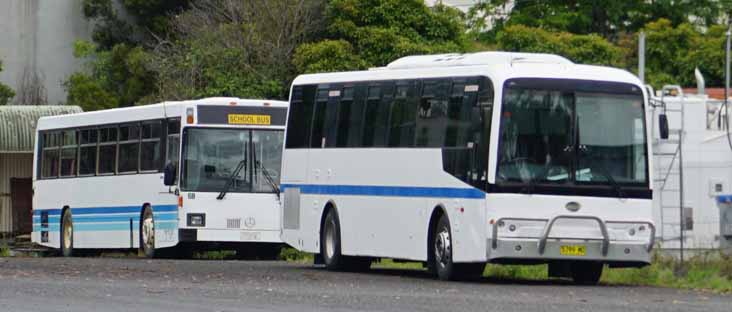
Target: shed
{"points": [[17, 139]]}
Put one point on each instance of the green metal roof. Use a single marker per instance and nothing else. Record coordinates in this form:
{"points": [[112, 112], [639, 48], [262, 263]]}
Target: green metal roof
{"points": [[18, 124]]}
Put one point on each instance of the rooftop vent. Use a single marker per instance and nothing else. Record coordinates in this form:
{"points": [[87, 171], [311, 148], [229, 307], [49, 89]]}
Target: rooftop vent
{"points": [[473, 59]]}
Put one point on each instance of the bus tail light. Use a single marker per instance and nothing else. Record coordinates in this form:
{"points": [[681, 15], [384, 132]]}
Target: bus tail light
{"points": [[189, 115], [180, 202]]}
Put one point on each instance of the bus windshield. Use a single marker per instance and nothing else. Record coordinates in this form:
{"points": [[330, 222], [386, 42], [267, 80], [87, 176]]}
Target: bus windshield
{"points": [[562, 135], [211, 157]]}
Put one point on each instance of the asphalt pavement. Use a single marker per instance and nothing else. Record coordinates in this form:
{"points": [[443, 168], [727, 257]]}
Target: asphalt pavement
{"points": [[106, 284]]}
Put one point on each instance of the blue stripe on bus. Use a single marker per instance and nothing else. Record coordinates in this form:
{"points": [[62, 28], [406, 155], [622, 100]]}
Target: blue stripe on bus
{"points": [[117, 218], [166, 217], [102, 210], [117, 226], [397, 191]]}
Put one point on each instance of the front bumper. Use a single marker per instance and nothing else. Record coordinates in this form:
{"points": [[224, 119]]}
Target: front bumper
{"points": [[547, 247]]}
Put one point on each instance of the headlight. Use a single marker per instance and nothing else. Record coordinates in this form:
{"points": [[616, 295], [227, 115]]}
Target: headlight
{"points": [[196, 219], [629, 231]]}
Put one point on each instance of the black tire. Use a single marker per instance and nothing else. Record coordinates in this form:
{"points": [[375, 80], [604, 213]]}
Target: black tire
{"points": [[147, 234], [441, 250], [330, 247], [586, 272], [66, 238], [440, 261]]}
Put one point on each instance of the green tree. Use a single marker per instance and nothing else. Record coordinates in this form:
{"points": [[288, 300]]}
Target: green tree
{"points": [[366, 33], [584, 49], [117, 77], [225, 48], [6, 93]]}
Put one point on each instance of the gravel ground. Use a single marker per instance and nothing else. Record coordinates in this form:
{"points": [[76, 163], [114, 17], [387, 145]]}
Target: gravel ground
{"points": [[104, 284]]}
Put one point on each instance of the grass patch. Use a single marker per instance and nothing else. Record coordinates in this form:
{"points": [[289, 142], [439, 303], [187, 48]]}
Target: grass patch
{"points": [[215, 255], [711, 272], [4, 251], [294, 255]]}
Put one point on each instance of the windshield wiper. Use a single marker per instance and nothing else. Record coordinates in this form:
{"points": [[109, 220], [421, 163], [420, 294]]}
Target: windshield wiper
{"points": [[531, 184], [234, 174], [270, 180], [606, 173]]}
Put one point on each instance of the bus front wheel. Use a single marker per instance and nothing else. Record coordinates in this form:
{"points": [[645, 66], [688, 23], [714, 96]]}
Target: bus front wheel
{"points": [[147, 233], [442, 251], [67, 234]]}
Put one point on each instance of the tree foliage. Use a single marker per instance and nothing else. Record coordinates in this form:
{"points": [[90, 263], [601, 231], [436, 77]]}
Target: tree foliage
{"points": [[365, 33], [585, 49], [233, 48], [6, 93]]}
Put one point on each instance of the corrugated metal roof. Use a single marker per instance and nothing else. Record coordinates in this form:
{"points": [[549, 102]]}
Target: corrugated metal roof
{"points": [[18, 124]]}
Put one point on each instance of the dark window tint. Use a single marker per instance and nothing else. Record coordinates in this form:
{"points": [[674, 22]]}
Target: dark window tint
{"points": [[377, 115], [403, 115], [50, 163], [300, 117], [151, 151], [87, 160], [344, 117], [432, 114], [128, 157], [88, 136], [129, 132], [355, 121], [317, 138], [68, 153], [108, 134], [107, 158]]}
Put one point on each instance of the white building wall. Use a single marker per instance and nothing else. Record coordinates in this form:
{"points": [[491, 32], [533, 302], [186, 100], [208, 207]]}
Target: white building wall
{"points": [[39, 35]]}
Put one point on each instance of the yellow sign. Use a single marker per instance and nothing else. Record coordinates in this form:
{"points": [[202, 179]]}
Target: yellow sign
{"points": [[573, 250], [244, 119]]}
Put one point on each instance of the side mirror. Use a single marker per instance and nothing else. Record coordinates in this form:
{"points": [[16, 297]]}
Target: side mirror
{"points": [[663, 126], [169, 174]]}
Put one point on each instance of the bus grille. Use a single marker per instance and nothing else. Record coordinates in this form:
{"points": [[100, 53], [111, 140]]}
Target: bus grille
{"points": [[233, 223]]}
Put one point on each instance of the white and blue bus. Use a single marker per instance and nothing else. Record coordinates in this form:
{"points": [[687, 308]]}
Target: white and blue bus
{"points": [[465, 159], [113, 179]]}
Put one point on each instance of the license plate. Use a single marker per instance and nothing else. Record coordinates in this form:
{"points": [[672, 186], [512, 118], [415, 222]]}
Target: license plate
{"points": [[572, 250], [247, 119]]}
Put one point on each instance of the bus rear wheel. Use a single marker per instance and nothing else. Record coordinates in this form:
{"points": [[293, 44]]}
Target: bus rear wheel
{"points": [[147, 233], [586, 272], [330, 247], [67, 234]]}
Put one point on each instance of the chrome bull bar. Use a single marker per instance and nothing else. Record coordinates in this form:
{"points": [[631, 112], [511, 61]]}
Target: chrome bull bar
{"points": [[550, 224]]}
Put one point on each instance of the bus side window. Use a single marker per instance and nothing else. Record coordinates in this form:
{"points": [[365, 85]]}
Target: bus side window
{"points": [[107, 150], [330, 128], [376, 118], [344, 114], [432, 113], [150, 151], [129, 148], [172, 149], [317, 137], [88, 140], [356, 121], [50, 154], [300, 116], [68, 153], [403, 115]]}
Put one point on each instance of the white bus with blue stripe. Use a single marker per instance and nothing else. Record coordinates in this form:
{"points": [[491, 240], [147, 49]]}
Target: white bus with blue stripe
{"points": [[112, 179], [460, 160]]}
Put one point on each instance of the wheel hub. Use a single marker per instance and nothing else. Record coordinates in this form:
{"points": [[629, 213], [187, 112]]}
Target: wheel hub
{"points": [[329, 239], [443, 247], [68, 232], [148, 232]]}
